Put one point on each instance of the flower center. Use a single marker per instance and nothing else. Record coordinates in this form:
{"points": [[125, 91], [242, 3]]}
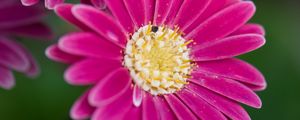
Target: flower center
{"points": [[158, 59]]}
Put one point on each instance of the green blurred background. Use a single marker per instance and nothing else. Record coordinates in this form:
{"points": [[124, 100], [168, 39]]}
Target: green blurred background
{"points": [[49, 97]]}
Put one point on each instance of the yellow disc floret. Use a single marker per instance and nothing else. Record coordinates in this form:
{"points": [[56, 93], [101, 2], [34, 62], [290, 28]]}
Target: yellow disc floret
{"points": [[158, 59]]}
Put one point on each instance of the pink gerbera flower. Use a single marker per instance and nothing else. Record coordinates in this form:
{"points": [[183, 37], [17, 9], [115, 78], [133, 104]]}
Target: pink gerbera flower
{"points": [[50, 4], [162, 59], [16, 19]]}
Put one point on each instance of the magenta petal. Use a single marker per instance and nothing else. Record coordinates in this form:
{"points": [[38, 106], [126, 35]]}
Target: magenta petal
{"points": [[250, 29], [227, 87], [110, 88], [64, 11], [56, 54], [33, 69], [12, 55], [81, 108], [190, 10], [29, 2], [102, 23], [135, 113], [176, 5], [50, 4], [164, 109], [162, 9], [149, 10], [181, 110], [200, 107], [215, 28], [229, 107], [213, 7], [90, 71], [234, 69], [98, 3], [228, 47], [136, 10], [7, 80], [149, 110], [117, 110], [137, 96], [120, 12], [89, 45]]}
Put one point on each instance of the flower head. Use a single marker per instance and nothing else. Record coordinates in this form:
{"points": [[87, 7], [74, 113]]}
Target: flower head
{"points": [[162, 59], [17, 20]]}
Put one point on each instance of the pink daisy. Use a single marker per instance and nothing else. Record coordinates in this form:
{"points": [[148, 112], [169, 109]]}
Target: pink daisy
{"points": [[162, 59], [16, 19], [50, 4]]}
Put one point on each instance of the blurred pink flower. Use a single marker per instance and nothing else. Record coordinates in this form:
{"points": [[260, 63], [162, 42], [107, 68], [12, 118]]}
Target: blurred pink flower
{"points": [[162, 59], [17, 20]]}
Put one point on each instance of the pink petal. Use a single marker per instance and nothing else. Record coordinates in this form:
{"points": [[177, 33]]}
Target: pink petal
{"points": [[110, 88], [250, 28], [164, 109], [137, 96], [200, 107], [64, 12], [102, 23], [135, 113], [89, 45], [36, 30], [230, 108], [12, 56], [50, 4], [81, 108], [56, 54], [256, 88], [136, 10], [228, 47], [234, 69], [90, 71], [120, 12], [223, 23], [149, 110], [179, 108], [213, 7], [149, 9], [99, 3], [29, 2], [162, 9], [227, 87], [176, 5], [117, 110], [190, 10], [7, 80]]}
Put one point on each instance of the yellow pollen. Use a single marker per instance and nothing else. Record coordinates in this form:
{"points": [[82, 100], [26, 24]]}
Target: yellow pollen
{"points": [[158, 59]]}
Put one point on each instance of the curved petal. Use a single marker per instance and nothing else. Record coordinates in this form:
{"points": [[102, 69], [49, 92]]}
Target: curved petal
{"points": [[120, 12], [149, 10], [89, 45], [190, 10], [56, 54], [135, 113], [50, 4], [118, 108], [234, 69], [12, 56], [227, 87], [164, 109], [181, 111], [102, 23], [215, 28], [230, 108], [81, 108], [176, 5], [200, 107], [64, 12], [7, 80], [227, 48], [149, 110], [250, 29], [213, 7], [29, 2], [136, 10], [110, 88], [90, 71], [162, 9]]}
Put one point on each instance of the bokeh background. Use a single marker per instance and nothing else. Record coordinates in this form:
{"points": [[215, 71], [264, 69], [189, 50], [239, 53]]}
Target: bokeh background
{"points": [[49, 97]]}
